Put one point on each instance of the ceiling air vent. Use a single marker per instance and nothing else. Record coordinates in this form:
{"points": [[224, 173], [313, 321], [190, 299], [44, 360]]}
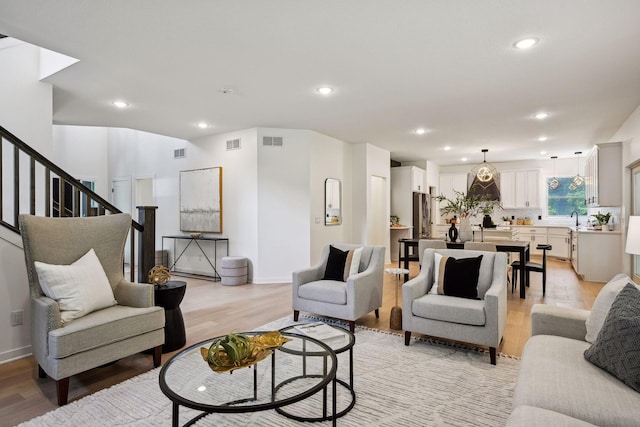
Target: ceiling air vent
{"points": [[179, 153], [272, 141], [233, 144]]}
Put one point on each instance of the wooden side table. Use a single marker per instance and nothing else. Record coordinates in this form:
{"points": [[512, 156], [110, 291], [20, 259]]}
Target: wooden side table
{"points": [[395, 319], [169, 297]]}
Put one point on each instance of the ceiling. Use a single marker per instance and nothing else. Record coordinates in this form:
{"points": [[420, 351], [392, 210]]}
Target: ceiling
{"points": [[447, 66]]}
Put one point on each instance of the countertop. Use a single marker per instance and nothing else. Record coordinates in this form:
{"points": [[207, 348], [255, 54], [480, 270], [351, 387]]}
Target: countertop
{"points": [[582, 229]]}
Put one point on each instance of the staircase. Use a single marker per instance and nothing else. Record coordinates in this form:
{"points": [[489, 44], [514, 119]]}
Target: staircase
{"points": [[30, 183]]}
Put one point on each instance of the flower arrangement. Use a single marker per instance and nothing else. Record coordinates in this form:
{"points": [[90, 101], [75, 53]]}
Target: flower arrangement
{"points": [[465, 205]]}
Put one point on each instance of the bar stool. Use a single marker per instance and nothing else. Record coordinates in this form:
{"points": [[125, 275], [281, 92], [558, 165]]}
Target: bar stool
{"points": [[532, 266]]}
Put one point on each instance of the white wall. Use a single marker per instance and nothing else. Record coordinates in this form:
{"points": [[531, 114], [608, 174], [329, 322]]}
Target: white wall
{"points": [[331, 159], [284, 203], [25, 111], [629, 134], [369, 161], [82, 151]]}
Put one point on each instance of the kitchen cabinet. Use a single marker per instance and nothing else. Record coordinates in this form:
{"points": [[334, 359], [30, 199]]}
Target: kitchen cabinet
{"points": [[603, 175], [560, 241], [520, 189], [574, 251], [450, 183], [599, 255], [535, 236], [417, 180]]}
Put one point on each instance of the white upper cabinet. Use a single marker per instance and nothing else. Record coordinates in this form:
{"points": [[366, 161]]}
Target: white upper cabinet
{"points": [[603, 175], [452, 182], [417, 180], [520, 189]]}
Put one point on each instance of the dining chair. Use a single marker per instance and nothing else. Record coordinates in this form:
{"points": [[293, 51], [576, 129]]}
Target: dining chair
{"points": [[532, 266]]}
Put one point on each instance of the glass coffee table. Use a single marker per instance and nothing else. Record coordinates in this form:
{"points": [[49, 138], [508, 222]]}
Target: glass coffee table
{"points": [[187, 380], [339, 345]]}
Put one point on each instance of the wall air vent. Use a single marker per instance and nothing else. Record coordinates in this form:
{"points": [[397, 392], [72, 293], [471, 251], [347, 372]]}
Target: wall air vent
{"points": [[272, 141], [233, 144], [179, 153]]}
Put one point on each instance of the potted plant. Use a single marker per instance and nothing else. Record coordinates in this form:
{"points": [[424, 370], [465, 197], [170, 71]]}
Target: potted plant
{"points": [[603, 220], [464, 206]]}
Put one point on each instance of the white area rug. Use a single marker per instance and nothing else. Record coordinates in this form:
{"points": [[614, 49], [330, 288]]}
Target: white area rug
{"points": [[424, 384]]}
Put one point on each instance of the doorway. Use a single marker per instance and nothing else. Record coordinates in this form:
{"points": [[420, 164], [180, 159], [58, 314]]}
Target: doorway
{"points": [[635, 210]]}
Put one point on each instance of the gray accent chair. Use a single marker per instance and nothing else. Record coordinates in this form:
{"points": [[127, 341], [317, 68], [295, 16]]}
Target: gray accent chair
{"points": [[479, 322], [350, 300], [131, 326], [429, 243], [480, 246]]}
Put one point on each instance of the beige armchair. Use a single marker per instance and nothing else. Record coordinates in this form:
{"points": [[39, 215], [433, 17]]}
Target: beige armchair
{"points": [[360, 294], [480, 321], [132, 325]]}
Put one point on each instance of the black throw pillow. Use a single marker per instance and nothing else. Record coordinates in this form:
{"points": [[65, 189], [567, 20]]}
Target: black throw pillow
{"points": [[617, 347], [335, 264], [459, 277]]}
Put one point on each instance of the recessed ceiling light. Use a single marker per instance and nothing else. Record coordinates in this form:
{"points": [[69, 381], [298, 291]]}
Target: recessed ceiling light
{"points": [[446, 148], [421, 131], [120, 103], [541, 115], [543, 152], [464, 159], [542, 139], [527, 43], [202, 125], [325, 90]]}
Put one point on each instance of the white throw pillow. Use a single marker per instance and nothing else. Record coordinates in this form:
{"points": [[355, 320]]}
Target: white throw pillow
{"points": [[79, 288], [436, 271], [601, 306], [355, 261]]}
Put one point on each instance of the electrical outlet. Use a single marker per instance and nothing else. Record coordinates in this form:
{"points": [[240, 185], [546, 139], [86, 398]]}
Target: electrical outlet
{"points": [[17, 317]]}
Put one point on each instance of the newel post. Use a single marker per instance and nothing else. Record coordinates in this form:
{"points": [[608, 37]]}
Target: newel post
{"points": [[146, 241]]}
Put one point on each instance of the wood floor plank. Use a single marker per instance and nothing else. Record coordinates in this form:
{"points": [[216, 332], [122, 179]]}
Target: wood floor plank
{"points": [[211, 309]]}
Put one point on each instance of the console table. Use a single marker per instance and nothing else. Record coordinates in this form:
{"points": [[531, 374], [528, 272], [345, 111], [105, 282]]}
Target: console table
{"points": [[196, 240]]}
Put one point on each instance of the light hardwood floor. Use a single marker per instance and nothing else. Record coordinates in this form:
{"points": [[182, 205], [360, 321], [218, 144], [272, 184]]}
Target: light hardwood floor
{"points": [[211, 309]]}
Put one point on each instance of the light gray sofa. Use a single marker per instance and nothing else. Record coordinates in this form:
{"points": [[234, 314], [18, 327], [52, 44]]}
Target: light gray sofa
{"points": [[557, 386], [480, 322]]}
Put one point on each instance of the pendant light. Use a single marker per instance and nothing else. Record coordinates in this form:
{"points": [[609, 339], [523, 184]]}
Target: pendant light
{"points": [[485, 172], [553, 182], [577, 180]]}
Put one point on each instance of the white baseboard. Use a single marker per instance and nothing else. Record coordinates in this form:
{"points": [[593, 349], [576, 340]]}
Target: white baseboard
{"points": [[15, 354]]}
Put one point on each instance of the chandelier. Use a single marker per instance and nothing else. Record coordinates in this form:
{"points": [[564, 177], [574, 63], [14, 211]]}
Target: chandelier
{"points": [[577, 180], [485, 172], [553, 182]]}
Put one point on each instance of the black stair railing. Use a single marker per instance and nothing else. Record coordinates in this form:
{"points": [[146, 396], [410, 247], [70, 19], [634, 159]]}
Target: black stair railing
{"points": [[48, 190]]}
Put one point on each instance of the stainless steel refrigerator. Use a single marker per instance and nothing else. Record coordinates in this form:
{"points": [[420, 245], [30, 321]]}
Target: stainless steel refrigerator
{"points": [[421, 216]]}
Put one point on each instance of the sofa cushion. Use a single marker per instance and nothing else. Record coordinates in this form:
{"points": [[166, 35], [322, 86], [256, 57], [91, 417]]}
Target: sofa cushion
{"points": [[617, 348], [78, 288], [602, 304], [331, 291], [533, 417], [449, 309], [335, 264], [459, 277], [102, 327], [555, 376]]}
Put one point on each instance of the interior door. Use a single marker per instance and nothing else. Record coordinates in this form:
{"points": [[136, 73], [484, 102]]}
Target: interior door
{"points": [[635, 210]]}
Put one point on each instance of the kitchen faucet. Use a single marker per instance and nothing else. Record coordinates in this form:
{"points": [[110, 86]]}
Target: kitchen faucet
{"points": [[575, 212]]}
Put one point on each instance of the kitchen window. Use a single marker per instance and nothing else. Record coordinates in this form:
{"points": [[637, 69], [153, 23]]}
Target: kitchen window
{"points": [[564, 198]]}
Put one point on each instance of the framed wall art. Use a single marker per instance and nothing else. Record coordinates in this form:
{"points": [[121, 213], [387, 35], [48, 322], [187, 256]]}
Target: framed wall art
{"points": [[201, 200]]}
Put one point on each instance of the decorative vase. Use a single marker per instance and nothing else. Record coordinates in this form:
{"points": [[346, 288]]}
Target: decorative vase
{"points": [[453, 232], [487, 222], [466, 233]]}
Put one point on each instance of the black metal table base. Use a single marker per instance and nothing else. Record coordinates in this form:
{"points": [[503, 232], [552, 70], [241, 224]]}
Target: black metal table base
{"points": [[325, 416]]}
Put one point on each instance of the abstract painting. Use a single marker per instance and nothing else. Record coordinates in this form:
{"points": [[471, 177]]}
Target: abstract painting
{"points": [[201, 200]]}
